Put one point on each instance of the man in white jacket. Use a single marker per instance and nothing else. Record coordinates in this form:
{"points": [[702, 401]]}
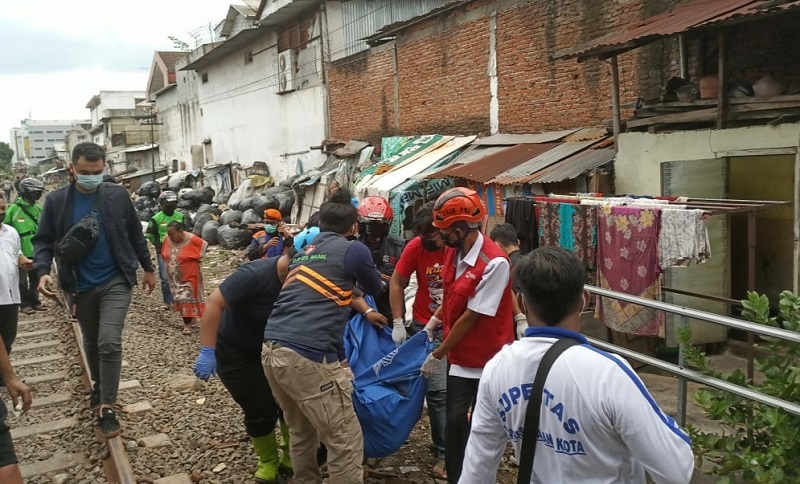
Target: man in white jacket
{"points": [[598, 423]]}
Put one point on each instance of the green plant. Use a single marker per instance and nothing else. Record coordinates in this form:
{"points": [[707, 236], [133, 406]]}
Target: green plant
{"points": [[759, 442]]}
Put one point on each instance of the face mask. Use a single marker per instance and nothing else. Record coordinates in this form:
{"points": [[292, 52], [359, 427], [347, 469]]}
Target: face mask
{"points": [[430, 245], [89, 182], [270, 229]]}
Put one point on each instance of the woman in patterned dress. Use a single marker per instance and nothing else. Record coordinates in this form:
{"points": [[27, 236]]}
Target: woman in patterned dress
{"points": [[182, 253]]}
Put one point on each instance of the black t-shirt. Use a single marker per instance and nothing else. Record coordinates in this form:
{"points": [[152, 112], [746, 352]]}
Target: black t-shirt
{"points": [[251, 292], [514, 258]]}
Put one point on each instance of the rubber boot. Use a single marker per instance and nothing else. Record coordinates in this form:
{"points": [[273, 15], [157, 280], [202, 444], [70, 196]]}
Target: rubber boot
{"points": [[266, 448], [285, 468]]}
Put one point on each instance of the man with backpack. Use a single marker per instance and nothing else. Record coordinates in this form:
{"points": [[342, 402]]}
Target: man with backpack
{"points": [[592, 418], [93, 232], [24, 215]]}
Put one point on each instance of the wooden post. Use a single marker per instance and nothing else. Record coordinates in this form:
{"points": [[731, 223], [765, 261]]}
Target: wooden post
{"points": [[684, 55], [615, 100], [722, 93]]}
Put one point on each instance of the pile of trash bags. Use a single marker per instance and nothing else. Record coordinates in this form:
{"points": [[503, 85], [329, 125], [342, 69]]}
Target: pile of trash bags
{"points": [[220, 219]]}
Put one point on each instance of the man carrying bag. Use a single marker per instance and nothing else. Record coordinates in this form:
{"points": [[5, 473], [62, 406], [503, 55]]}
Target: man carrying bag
{"points": [[591, 419], [92, 231]]}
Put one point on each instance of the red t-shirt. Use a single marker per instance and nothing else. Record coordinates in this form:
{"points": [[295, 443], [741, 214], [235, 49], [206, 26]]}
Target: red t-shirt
{"points": [[428, 266]]}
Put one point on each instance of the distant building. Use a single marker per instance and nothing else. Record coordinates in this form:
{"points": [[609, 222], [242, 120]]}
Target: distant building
{"points": [[36, 140]]}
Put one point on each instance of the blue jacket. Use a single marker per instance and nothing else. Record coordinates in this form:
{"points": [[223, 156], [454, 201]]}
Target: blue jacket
{"points": [[124, 231]]}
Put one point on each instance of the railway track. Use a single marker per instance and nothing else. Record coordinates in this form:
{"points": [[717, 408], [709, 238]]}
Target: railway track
{"points": [[56, 440]]}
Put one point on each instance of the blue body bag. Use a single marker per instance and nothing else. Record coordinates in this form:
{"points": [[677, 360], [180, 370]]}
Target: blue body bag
{"points": [[388, 388]]}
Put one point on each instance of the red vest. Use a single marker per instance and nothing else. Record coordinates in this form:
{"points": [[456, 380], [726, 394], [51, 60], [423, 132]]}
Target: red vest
{"points": [[487, 337]]}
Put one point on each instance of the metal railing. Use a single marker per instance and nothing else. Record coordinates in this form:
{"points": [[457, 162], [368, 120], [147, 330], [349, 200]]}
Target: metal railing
{"points": [[685, 374]]}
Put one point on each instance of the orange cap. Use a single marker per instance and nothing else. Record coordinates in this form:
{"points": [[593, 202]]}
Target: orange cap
{"points": [[272, 214]]}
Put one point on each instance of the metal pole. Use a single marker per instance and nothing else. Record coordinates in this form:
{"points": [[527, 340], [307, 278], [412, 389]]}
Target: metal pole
{"points": [[751, 284], [684, 55], [152, 152], [615, 100], [682, 383], [722, 93]]}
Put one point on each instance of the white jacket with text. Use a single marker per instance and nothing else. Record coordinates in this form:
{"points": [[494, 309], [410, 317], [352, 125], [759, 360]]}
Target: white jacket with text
{"points": [[598, 422]]}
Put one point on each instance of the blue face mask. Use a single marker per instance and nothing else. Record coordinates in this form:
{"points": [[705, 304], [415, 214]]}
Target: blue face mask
{"points": [[270, 229], [89, 182]]}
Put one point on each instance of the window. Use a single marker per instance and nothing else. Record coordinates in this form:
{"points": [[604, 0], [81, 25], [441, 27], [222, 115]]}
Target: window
{"points": [[38, 148], [36, 132], [204, 77], [248, 57]]}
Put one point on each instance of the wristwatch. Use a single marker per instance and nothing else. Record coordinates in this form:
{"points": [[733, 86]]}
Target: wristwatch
{"points": [[369, 310]]}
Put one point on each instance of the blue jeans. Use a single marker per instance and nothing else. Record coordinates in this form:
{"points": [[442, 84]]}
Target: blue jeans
{"points": [[162, 276], [436, 396]]}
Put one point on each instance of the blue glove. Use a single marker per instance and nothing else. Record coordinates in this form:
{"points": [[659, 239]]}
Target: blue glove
{"points": [[206, 364]]}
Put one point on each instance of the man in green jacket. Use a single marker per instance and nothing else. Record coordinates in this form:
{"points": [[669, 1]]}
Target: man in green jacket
{"points": [[157, 230], [23, 215]]}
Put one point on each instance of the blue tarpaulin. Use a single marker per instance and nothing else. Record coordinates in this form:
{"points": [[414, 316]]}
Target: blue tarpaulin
{"points": [[389, 389]]}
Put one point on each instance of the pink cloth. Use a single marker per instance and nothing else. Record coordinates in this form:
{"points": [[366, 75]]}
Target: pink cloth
{"points": [[627, 261]]}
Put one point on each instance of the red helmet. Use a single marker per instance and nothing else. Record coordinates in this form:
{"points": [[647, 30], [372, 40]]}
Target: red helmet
{"points": [[375, 209], [457, 204]]}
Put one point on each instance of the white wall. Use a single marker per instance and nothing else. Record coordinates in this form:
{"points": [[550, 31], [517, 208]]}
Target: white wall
{"points": [[637, 168], [112, 100], [246, 120]]}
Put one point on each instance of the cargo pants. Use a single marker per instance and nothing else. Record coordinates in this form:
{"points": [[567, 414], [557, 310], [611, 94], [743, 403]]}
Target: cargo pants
{"points": [[317, 403]]}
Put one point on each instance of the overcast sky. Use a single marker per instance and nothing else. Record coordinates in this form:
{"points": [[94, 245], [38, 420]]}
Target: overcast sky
{"points": [[56, 55]]}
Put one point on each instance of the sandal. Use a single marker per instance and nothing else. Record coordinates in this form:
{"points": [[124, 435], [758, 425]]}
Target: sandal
{"points": [[39, 307], [187, 331], [27, 311], [438, 470]]}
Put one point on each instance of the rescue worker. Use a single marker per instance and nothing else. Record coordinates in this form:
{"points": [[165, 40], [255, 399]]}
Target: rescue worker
{"points": [[157, 231], [605, 425], [476, 312], [231, 331], [272, 241], [424, 256], [24, 215], [374, 220], [303, 353]]}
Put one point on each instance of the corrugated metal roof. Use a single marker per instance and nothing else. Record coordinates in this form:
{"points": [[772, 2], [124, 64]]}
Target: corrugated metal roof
{"points": [[758, 8], [515, 139], [522, 173], [489, 167], [586, 134], [681, 18], [470, 156], [574, 166]]}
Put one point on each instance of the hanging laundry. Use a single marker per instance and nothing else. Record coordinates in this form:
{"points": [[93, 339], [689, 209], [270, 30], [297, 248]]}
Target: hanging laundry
{"points": [[627, 252], [683, 238], [573, 227], [520, 214]]}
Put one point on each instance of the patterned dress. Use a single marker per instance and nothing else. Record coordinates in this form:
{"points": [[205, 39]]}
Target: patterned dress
{"points": [[184, 274]]}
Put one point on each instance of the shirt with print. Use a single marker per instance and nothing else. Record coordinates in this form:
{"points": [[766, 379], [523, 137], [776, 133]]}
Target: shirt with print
{"points": [[428, 267], [598, 423]]}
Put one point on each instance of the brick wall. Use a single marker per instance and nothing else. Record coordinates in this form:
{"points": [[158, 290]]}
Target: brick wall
{"points": [[443, 85]]}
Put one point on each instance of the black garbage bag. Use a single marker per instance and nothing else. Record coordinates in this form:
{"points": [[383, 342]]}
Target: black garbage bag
{"points": [[251, 217], [188, 220], [222, 198], [230, 216], [149, 189], [200, 220], [147, 214], [243, 204], [187, 205], [208, 208], [285, 202], [199, 196], [209, 192], [209, 232], [143, 203], [230, 238], [262, 202]]}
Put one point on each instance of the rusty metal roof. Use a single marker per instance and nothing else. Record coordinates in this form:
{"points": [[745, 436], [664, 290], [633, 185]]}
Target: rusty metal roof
{"points": [[473, 153], [687, 16], [587, 134], [515, 139], [574, 166], [523, 172], [485, 169]]}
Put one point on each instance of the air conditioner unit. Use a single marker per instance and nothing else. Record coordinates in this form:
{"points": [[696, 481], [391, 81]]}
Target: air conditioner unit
{"points": [[286, 71]]}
